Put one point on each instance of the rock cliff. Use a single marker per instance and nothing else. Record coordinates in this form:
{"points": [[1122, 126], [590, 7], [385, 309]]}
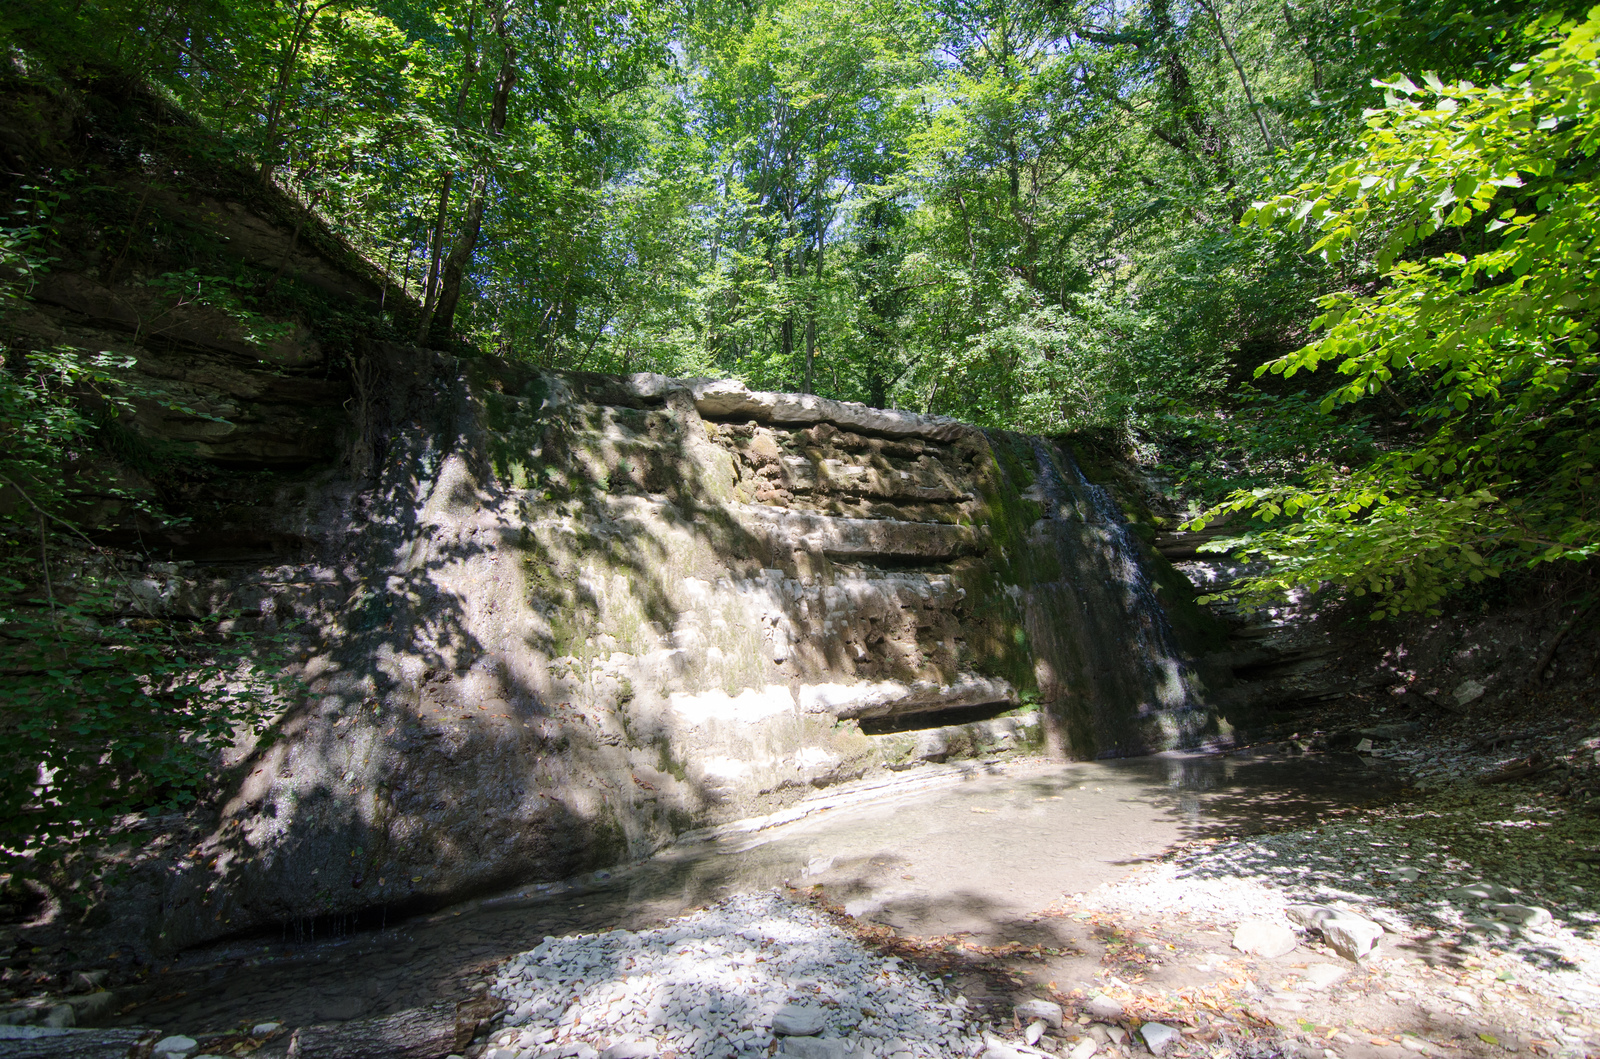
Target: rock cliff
{"points": [[572, 616], [547, 621]]}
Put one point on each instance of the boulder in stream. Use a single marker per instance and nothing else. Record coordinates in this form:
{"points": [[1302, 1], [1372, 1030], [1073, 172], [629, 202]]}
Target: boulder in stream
{"points": [[1265, 937], [798, 1020], [1159, 1037], [1046, 1010], [1351, 936]]}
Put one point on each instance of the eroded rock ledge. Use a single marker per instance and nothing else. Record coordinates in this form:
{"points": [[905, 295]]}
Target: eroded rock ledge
{"points": [[571, 616]]}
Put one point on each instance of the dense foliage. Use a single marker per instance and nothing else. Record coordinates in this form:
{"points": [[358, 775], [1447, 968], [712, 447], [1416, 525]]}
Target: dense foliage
{"points": [[1484, 341], [107, 707], [1019, 212]]}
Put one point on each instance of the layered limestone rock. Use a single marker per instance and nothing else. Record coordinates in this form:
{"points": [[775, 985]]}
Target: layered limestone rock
{"points": [[545, 621], [579, 614]]}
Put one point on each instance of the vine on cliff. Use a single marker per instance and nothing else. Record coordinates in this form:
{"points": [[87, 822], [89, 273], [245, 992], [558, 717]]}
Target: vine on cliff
{"points": [[109, 705]]}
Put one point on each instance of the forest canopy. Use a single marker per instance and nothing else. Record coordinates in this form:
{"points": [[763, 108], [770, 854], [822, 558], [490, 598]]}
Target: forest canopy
{"points": [[1152, 220]]}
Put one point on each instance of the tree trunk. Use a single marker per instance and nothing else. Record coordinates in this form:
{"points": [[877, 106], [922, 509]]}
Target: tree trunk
{"points": [[275, 108], [80, 1044], [1308, 47], [441, 321], [1195, 135], [811, 321], [972, 248], [303, 21], [432, 1032], [1022, 216], [430, 289], [1244, 82], [811, 351]]}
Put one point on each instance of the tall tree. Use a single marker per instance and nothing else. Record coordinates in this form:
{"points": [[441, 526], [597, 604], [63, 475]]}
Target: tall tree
{"points": [[438, 318]]}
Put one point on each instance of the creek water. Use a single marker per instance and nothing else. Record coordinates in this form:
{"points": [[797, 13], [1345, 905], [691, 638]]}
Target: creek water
{"points": [[977, 847]]}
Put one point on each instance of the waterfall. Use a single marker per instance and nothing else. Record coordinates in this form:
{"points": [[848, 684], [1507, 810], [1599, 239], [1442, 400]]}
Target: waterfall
{"points": [[1111, 667]]}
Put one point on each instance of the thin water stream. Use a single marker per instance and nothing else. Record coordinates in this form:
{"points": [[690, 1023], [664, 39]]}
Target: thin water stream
{"points": [[977, 847]]}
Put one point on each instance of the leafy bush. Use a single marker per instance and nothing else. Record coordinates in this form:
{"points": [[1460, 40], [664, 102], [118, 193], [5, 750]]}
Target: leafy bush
{"points": [[1484, 208], [1262, 440], [107, 706]]}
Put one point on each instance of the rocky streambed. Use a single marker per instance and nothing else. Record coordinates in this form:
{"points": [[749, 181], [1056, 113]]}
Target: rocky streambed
{"points": [[731, 979], [1174, 906]]}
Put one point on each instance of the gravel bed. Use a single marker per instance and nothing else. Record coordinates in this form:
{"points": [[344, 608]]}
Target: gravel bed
{"points": [[1463, 874], [712, 984]]}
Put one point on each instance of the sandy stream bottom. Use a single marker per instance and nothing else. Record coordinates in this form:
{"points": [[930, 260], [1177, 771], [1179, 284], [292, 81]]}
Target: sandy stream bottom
{"points": [[1018, 879]]}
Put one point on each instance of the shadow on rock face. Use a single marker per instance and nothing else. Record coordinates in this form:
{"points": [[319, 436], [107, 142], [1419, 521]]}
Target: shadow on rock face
{"points": [[572, 616]]}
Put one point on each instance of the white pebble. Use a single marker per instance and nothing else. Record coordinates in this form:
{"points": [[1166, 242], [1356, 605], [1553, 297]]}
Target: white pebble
{"points": [[718, 979]]}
